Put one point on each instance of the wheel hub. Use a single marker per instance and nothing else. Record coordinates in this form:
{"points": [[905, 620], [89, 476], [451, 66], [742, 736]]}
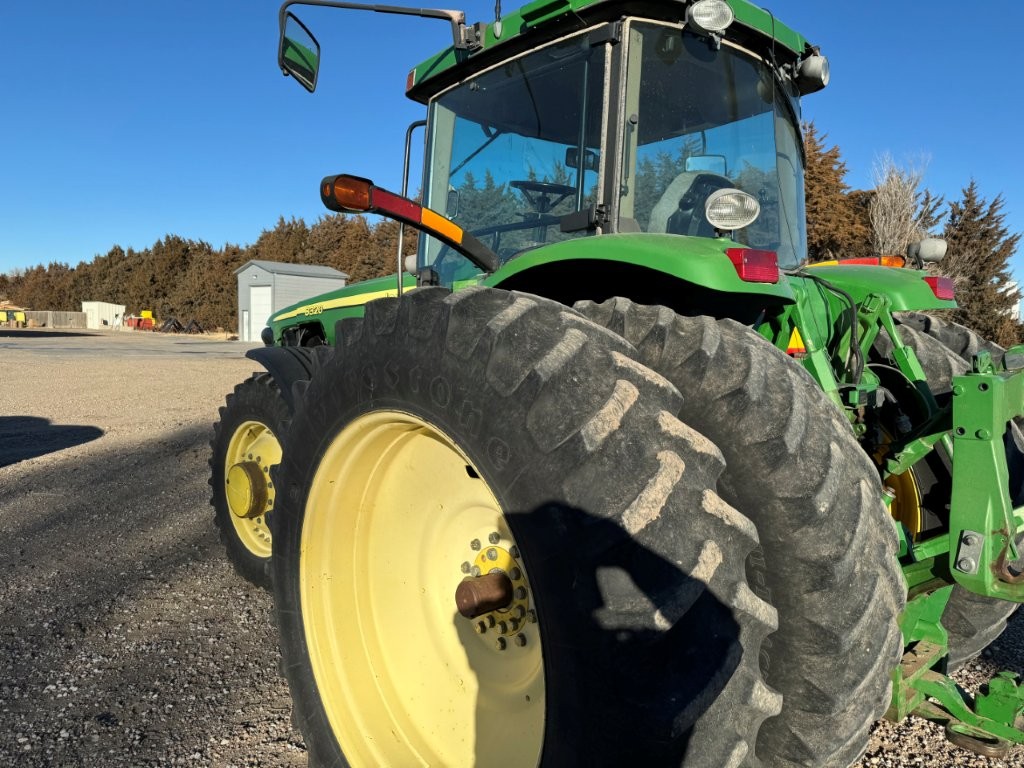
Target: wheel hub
{"points": [[495, 593], [246, 488]]}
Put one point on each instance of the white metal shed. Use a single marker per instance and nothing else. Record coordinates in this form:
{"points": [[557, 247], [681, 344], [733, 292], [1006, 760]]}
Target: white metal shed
{"points": [[102, 314], [264, 287]]}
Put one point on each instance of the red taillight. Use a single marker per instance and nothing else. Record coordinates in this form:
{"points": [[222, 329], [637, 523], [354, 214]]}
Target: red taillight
{"points": [[942, 287], [754, 266]]}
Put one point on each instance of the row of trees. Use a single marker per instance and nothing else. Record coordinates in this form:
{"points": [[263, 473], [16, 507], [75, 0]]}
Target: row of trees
{"points": [[192, 280], [899, 210]]}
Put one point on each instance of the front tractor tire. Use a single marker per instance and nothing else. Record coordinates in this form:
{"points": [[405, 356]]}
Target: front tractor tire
{"points": [[496, 545], [246, 445], [827, 560]]}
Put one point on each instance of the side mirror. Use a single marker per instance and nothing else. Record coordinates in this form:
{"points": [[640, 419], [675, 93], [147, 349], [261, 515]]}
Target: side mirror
{"points": [[572, 158], [298, 54], [929, 250], [706, 163]]}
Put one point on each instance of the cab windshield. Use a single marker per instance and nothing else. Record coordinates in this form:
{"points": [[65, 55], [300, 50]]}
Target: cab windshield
{"points": [[698, 119], [514, 151]]}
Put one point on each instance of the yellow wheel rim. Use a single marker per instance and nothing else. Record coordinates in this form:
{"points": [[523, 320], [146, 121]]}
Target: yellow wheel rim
{"points": [[252, 451], [396, 518], [906, 506]]}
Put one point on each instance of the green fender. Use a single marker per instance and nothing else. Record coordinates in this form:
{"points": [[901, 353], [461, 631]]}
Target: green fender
{"points": [[695, 260], [906, 289]]}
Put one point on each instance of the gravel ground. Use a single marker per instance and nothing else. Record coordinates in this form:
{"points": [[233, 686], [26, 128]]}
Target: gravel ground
{"points": [[125, 637]]}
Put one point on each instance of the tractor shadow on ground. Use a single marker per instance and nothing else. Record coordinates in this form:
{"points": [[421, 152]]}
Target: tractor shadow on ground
{"points": [[623, 685], [28, 437]]}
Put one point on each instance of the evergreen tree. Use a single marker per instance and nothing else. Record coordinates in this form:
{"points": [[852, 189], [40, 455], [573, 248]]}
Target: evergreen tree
{"points": [[835, 224], [979, 248]]}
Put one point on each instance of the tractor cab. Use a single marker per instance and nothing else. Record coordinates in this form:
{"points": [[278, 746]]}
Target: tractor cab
{"points": [[664, 131], [683, 121]]}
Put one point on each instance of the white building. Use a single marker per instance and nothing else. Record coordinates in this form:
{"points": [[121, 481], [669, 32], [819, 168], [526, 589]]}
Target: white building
{"points": [[102, 314], [264, 287]]}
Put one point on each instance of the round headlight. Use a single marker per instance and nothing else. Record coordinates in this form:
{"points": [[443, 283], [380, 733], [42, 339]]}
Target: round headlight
{"points": [[710, 17], [729, 209]]}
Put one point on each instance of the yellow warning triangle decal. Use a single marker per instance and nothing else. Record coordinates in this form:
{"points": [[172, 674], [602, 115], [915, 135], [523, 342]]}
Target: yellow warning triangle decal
{"points": [[796, 344]]}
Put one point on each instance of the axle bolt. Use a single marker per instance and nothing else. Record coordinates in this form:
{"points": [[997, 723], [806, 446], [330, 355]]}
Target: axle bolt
{"points": [[477, 596], [494, 538], [501, 643], [492, 554], [966, 564]]}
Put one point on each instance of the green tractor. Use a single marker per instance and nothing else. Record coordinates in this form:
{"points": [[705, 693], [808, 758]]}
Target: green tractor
{"points": [[607, 474]]}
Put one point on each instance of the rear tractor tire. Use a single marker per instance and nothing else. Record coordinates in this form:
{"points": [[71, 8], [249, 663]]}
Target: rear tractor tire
{"points": [[827, 560], [246, 445], [496, 545]]}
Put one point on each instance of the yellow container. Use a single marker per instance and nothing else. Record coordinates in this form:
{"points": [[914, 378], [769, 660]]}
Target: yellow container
{"points": [[147, 313]]}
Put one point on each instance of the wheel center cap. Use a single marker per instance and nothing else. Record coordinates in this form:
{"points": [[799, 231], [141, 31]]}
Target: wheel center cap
{"points": [[246, 489]]}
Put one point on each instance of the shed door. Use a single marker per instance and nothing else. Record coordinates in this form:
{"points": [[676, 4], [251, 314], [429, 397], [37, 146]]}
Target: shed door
{"points": [[262, 308]]}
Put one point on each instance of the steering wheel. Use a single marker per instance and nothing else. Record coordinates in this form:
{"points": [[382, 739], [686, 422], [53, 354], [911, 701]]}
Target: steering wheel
{"points": [[544, 196]]}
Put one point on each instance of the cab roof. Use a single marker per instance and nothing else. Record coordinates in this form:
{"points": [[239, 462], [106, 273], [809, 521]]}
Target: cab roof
{"points": [[543, 20]]}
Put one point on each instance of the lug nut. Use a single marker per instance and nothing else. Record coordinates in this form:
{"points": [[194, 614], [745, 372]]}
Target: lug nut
{"points": [[966, 564], [490, 621], [519, 612], [520, 593], [481, 627], [494, 538], [475, 545], [501, 643], [531, 616], [475, 571], [514, 551], [492, 554], [970, 539], [515, 574], [502, 627], [465, 567], [519, 640]]}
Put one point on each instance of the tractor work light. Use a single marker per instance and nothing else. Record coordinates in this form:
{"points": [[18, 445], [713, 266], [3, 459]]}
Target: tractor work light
{"points": [[812, 74], [942, 287], [754, 266], [709, 17], [729, 209], [352, 194]]}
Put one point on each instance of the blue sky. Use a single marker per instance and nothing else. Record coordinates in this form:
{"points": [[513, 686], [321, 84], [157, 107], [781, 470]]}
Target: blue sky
{"points": [[123, 122]]}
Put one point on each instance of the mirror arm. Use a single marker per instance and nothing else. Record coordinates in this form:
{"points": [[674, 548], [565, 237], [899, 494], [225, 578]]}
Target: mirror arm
{"points": [[463, 37]]}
